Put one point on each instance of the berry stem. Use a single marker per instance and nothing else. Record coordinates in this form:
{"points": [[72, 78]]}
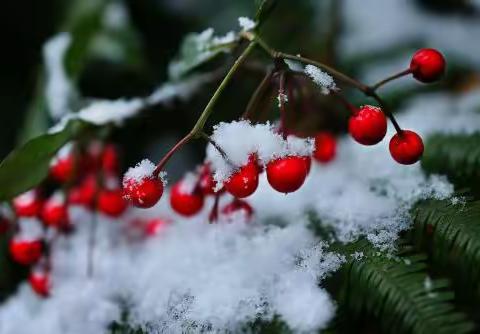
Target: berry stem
{"points": [[257, 96], [281, 104], [345, 102], [213, 217], [169, 154], [217, 147], [391, 78]]}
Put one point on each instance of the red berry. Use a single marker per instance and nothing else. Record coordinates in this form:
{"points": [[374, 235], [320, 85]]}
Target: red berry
{"points": [[62, 169], [427, 65], [25, 252], [111, 202], [185, 200], [155, 226], [406, 148], [40, 283], [368, 126], [237, 206], [143, 193], [206, 182], [55, 213], [244, 181], [109, 159], [287, 174], [325, 147], [308, 163], [28, 204], [84, 193]]}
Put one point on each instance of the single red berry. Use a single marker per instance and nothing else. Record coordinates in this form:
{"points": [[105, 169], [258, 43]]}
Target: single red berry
{"points": [[368, 126], [287, 174], [40, 282], [111, 202], [28, 204], [406, 147], [109, 159], [206, 182], [325, 147], [62, 168], [155, 226], [237, 206], [186, 200], [427, 65], [25, 252], [55, 213], [244, 181], [308, 163], [84, 193], [143, 193]]}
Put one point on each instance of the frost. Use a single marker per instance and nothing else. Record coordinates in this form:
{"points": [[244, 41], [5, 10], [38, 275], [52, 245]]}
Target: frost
{"points": [[282, 99], [144, 169], [321, 78], [58, 89], [246, 23]]}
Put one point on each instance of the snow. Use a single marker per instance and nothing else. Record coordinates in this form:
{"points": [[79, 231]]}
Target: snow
{"points": [[30, 229], [144, 169], [246, 23], [321, 78], [58, 89]]}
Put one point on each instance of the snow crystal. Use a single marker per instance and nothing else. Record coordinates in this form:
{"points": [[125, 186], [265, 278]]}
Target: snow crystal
{"points": [[58, 89], [321, 78], [246, 23], [144, 169], [282, 98]]}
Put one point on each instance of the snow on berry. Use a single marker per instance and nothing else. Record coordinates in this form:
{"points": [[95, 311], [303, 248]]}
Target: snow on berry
{"points": [[141, 186], [321, 78], [28, 204], [62, 166]]}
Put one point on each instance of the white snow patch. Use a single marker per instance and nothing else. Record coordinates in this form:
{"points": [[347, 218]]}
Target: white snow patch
{"points": [[143, 170], [246, 23], [321, 78], [30, 229]]}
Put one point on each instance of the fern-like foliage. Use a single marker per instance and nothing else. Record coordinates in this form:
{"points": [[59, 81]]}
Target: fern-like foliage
{"points": [[451, 236], [397, 292], [457, 156]]}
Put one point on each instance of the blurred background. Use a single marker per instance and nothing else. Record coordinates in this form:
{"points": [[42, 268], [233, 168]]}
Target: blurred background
{"points": [[131, 42]]}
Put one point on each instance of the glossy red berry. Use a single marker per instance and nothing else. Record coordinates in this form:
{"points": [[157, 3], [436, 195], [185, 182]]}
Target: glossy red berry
{"points": [[235, 208], [111, 202], [155, 226], [25, 252], [40, 282], [287, 174], [406, 148], [427, 65], [325, 147], [143, 193], [308, 163], [62, 168], [185, 199], [84, 193], [244, 181], [368, 126], [28, 204], [55, 213]]}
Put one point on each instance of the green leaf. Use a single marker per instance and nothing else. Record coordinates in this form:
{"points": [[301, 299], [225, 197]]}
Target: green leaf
{"points": [[264, 8], [27, 166], [197, 49]]}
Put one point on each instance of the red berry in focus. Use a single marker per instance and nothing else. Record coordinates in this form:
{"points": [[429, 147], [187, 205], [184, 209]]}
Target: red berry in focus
{"points": [[406, 148], [62, 168], [55, 213], [143, 193], [84, 193], [368, 126], [111, 202], [185, 199], [287, 174], [155, 226], [236, 207], [325, 147], [244, 181], [427, 65], [109, 159], [28, 204], [40, 283], [25, 252]]}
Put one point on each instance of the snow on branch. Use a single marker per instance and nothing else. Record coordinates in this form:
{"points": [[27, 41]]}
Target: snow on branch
{"points": [[321, 78]]}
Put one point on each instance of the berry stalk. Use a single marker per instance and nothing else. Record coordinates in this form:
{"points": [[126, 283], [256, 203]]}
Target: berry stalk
{"points": [[391, 78]]}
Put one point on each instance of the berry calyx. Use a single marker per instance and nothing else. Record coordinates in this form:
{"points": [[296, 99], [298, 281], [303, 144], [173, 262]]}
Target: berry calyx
{"points": [[427, 65], [28, 204], [368, 125], [25, 252], [55, 213], [84, 193], [143, 193], [406, 147], [235, 208], [111, 202], [185, 199], [62, 168], [325, 147], [287, 174], [40, 283], [244, 181]]}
